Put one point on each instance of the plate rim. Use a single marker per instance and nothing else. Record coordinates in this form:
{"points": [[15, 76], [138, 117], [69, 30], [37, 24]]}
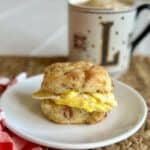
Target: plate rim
{"points": [[97, 144]]}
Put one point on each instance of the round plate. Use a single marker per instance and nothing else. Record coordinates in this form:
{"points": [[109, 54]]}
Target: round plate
{"points": [[23, 116]]}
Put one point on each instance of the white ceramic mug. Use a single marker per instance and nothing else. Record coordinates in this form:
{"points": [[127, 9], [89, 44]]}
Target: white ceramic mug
{"points": [[103, 36]]}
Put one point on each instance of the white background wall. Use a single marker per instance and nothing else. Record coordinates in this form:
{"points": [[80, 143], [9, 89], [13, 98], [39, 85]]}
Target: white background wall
{"points": [[39, 27]]}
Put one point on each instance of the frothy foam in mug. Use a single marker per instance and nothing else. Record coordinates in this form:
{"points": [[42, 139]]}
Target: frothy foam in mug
{"points": [[106, 4]]}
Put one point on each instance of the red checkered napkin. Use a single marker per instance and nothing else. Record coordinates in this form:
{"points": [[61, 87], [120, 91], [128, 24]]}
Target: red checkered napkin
{"points": [[9, 140]]}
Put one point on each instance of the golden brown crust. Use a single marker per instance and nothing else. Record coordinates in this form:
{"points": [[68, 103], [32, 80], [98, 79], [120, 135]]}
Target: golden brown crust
{"points": [[79, 76], [67, 115]]}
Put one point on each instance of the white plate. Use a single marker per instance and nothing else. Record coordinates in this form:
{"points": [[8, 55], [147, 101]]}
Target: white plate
{"points": [[23, 116]]}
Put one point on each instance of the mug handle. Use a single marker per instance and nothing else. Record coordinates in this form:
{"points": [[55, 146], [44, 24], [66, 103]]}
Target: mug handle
{"points": [[145, 32]]}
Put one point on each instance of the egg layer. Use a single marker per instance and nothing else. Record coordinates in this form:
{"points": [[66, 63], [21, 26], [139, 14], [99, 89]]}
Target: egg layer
{"points": [[90, 102]]}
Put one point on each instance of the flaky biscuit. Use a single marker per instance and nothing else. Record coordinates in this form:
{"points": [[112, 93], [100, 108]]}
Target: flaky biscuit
{"points": [[79, 76], [69, 115]]}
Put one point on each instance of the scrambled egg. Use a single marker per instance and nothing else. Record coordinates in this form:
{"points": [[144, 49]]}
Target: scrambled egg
{"points": [[87, 101]]}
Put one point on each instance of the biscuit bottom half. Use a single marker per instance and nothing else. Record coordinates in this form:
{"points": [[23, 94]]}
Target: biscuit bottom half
{"points": [[68, 115]]}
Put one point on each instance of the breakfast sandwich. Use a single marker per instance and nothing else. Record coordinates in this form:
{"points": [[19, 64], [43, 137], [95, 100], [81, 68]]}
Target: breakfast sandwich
{"points": [[76, 93]]}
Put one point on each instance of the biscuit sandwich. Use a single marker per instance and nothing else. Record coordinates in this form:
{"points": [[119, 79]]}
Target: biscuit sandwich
{"points": [[76, 93]]}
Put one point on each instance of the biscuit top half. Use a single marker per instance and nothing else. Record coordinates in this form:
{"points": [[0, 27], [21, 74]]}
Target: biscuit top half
{"points": [[79, 76]]}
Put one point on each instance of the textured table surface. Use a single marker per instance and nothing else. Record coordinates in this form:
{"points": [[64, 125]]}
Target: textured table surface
{"points": [[138, 76]]}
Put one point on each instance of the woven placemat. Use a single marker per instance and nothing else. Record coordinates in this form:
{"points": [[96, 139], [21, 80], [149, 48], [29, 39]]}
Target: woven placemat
{"points": [[138, 76]]}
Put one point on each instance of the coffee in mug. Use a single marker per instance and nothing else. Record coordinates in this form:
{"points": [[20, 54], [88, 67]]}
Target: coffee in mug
{"points": [[101, 31], [105, 4]]}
